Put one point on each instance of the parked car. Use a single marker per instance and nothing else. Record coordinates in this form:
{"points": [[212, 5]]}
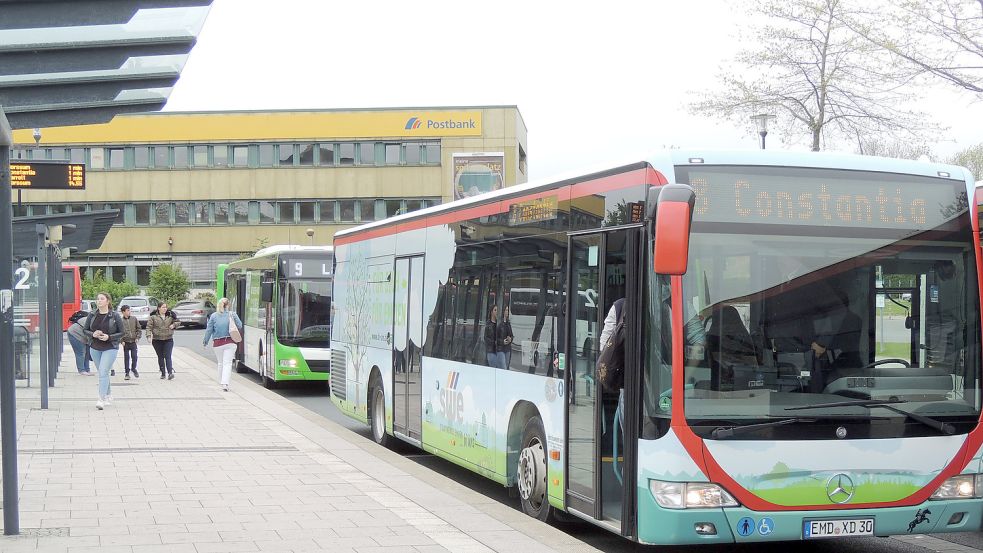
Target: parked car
{"points": [[88, 305], [193, 312], [140, 307]]}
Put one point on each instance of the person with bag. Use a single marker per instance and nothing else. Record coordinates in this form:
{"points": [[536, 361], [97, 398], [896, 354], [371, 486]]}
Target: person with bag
{"points": [[505, 337], [79, 342], [104, 328], [131, 334], [224, 328], [611, 361], [160, 332], [491, 337]]}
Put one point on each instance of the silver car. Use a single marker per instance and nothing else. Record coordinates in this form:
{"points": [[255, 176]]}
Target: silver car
{"points": [[140, 307], [193, 312]]}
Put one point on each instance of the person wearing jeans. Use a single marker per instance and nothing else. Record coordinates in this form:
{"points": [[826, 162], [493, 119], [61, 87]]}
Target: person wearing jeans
{"points": [[131, 334], [160, 332], [224, 348], [76, 337], [104, 328]]}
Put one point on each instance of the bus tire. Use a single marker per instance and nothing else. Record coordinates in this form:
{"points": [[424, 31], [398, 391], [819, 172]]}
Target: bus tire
{"points": [[377, 416], [531, 471], [268, 382]]}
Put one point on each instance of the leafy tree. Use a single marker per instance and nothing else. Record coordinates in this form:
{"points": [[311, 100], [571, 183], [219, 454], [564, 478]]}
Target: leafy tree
{"points": [[941, 39], [169, 283], [206, 296], [99, 283], [821, 79], [261, 243], [972, 159]]}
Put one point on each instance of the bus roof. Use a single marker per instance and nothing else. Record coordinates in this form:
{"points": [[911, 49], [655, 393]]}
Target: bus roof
{"points": [[285, 248]]}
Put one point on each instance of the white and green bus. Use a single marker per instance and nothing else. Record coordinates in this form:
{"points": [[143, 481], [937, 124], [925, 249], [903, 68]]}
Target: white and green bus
{"points": [[767, 393], [283, 296]]}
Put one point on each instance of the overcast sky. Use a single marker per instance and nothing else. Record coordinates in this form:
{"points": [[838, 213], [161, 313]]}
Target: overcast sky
{"points": [[595, 82]]}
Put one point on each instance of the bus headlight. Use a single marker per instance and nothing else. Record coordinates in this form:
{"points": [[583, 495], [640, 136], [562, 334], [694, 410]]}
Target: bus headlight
{"points": [[288, 363], [957, 487], [690, 495]]}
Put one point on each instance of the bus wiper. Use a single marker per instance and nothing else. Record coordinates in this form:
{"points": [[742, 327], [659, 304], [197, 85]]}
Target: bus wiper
{"points": [[722, 432], [943, 427]]}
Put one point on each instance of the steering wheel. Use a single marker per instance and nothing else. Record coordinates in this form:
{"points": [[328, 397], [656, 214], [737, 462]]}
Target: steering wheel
{"points": [[885, 361]]}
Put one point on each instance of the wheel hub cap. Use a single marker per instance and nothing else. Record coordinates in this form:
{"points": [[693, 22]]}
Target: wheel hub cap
{"points": [[532, 473]]}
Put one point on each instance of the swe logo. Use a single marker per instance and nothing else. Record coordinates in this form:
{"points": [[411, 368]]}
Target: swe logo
{"points": [[413, 123], [451, 400]]}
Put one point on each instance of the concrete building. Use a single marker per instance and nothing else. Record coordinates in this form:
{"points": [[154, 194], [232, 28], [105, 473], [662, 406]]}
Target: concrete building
{"points": [[199, 189]]}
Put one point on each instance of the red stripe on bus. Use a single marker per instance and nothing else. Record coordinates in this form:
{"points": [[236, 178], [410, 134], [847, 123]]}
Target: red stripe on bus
{"points": [[647, 175]]}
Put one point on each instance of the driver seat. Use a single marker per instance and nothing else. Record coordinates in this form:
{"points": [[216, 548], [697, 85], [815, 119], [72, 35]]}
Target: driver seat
{"points": [[729, 344]]}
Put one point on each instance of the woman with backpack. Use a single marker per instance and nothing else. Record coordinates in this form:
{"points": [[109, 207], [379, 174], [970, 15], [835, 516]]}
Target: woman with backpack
{"points": [[104, 328], [78, 340], [160, 332], [219, 328]]}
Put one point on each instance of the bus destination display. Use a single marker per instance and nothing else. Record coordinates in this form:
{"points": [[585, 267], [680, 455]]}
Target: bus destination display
{"points": [[299, 267], [47, 175]]}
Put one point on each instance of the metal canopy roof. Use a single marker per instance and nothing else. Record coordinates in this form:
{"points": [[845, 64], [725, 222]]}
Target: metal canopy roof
{"points": [[71, 63], [91, 229]]}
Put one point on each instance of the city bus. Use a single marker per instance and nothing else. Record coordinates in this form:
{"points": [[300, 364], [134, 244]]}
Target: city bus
{"points": [[763, 398], [71, 282], [283, 296]]}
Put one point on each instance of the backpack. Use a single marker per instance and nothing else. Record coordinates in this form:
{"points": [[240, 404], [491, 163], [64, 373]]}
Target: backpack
{"points": [[78, 316], [611, 362]]}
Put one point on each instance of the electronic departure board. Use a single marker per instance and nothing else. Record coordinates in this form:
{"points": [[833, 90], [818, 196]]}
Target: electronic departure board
{"points": [[47, 175]]}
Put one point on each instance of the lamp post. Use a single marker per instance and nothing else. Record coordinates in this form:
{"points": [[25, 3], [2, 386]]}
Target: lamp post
{"points": [[310, 234], [761, 120]]}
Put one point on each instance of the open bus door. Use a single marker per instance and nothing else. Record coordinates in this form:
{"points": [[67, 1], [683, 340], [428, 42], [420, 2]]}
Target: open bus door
{"points": [[604, 266], [235, 289]]}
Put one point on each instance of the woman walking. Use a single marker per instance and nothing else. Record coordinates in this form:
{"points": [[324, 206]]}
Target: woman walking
{"points": [[223, 345], [104, 328], [160, 332], [77, 338]]}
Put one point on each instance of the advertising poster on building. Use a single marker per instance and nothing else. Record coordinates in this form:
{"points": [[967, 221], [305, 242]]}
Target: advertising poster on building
{"points": [[478, 173]]}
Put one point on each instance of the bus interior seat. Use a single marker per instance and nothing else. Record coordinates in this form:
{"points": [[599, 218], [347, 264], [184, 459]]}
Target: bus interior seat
{"points": [[729, 344]]}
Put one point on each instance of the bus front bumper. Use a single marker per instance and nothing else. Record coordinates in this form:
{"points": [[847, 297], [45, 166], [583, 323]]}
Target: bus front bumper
{"points": [[657, 525]]}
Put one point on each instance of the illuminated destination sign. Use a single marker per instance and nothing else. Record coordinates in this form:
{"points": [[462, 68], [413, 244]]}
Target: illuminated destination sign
{"points": [[299, 267], [533, 211], [824, 198], [47, 175]]}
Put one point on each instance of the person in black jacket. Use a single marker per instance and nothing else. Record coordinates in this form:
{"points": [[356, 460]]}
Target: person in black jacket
{"points": [[505, 338], [104, 328], [491, 337]]}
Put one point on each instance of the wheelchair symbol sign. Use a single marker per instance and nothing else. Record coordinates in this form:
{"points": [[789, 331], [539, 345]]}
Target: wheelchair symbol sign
{"points": [[766, 526], [745, 526]]}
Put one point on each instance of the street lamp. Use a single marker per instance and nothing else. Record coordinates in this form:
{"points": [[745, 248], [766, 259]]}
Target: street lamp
{"points": [[310, 234], [761, 120], [37, 137]]}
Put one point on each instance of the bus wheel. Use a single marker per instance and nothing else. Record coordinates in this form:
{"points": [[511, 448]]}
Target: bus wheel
{"points": [[531, 472], [377, 416], [268, 382]]}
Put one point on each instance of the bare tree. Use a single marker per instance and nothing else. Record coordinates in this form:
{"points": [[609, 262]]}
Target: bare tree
{"points": [[939, 38], [901, 149], [821, 79], [971, 158]]}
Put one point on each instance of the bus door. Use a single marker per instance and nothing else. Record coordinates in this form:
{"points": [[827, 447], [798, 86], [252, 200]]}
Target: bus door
{"points": [[235, 290], [407, 340], [604, 267]]}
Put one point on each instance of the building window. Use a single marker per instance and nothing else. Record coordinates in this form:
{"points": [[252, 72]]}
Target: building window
{"points": [[306, 154], [325, 154], [366, 151], [287, 212], [20, 210], [77, 155], [141, 214], [97, 158], [522, 160], [327, 208], [141, 157], [266, 212], [393, 207], [58, 209], [162, 214], [121, 211], [347, 210], [78, 208], [201, 156], [286, 155], [202, 215], [58, 153], [366, 210], [413, 205], [181, 157], [266, 155], [162, 157], [306, 210], [37, 153], [413, 153], [220, 211], [116, 158], [220, 155], [392, 154], [240, 156], [433, 154], [240, 213], [182, 213], [346, 154], [143, 275]]}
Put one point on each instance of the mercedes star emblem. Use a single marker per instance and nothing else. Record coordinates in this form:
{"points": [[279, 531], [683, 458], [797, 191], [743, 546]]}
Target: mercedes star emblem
{"points": [[840, 488]]}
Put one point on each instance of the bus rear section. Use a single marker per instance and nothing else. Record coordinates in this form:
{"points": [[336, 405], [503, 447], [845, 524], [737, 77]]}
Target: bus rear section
{"points": [[71, 293]]}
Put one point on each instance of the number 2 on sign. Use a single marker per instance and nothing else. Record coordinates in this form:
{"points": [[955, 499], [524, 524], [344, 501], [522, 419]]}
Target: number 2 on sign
{"points": [[23, 274]]}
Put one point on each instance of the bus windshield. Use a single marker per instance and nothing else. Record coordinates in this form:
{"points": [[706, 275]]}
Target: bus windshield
{"points": [[304, 316], [809, 287]]}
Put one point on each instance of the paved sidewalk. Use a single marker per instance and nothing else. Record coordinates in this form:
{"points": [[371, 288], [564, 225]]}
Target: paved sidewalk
{"points": [[180, 466]]}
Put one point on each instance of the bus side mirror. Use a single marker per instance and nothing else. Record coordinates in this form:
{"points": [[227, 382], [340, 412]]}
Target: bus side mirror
{"points": [[673, 213], [266, 292]]}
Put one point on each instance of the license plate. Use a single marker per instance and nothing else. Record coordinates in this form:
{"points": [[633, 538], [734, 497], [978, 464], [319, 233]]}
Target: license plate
{"points": [[839, 528]]}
